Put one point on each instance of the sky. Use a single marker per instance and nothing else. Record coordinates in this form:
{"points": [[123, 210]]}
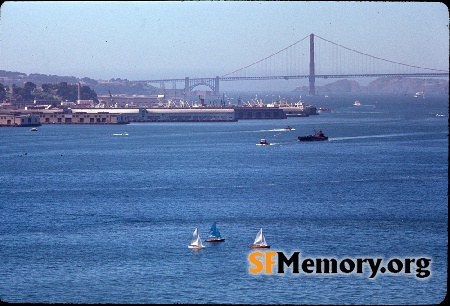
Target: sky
{"points": [[164, 39]]}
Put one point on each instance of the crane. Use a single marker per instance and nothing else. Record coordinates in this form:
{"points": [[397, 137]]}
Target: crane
{"points": [[111, 98]]}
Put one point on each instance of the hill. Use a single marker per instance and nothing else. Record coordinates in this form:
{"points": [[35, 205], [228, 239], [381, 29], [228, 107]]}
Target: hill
{"points": [[402, 85], [397, 85], [101, 87]]}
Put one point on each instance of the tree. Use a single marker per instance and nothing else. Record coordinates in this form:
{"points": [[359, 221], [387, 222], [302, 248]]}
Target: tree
{"points": [[29, 86], [46, 88], [88, 94], [24, 93], [2, 92], [87, 80], [63, 91]]}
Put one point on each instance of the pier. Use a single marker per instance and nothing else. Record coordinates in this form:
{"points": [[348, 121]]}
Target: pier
{"points": [[26, 117]]}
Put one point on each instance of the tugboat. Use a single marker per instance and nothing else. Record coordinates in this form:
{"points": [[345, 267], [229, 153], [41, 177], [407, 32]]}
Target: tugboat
{"points": [[319, 136]]}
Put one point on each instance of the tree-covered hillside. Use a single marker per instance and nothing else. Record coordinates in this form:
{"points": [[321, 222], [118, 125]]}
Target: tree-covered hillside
{"points": [[115, 86], [53, 92]]}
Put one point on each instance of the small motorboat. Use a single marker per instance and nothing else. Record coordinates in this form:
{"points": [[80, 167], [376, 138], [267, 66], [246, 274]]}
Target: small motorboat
{"points": [[264, 142], [419, 94], [289, 128], [319, 136], [357, 103], [34, 129]]}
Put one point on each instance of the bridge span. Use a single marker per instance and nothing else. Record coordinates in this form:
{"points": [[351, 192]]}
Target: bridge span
{"points": [[214, 82]]}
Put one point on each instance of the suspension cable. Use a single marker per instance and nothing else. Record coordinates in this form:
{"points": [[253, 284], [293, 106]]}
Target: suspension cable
{"points": [[266, 57], [382, 59]]}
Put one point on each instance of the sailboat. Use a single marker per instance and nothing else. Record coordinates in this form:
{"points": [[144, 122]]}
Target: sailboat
{"points": [[260, 241], [196, 242], [214, 234]]}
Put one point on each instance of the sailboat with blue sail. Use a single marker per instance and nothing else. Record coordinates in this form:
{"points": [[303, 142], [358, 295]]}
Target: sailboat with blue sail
{"points": [[214, 234]]}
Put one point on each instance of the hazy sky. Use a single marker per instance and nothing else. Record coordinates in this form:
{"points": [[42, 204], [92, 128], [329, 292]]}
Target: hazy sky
{"points": [[151, 40]]}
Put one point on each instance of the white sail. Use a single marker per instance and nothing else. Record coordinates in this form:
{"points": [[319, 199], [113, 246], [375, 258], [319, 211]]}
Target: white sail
{"points": [[196, 241], [194, 236], [263, 241], [260, 239]]}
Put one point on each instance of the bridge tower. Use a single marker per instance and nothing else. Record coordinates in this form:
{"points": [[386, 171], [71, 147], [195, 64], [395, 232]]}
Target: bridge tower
{"points": [[186, 85], [216, 86], [312, 73]]}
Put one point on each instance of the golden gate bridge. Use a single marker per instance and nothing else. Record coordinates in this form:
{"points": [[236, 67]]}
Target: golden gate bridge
{"points": [[298, 61]]}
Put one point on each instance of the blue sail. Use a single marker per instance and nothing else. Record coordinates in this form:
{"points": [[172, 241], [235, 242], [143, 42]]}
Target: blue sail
{"points": [[214, 232]]}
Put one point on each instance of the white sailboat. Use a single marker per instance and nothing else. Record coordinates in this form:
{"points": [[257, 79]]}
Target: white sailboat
{"points": [[260, 241], [196, 242]]}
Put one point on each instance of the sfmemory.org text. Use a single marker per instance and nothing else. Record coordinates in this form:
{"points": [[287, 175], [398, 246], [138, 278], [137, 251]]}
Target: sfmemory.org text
{"points": [[265, 262]]}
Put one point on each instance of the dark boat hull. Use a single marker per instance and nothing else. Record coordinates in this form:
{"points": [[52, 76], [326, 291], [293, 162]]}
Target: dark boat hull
{"points": [[312, 138], [259, 247], [215, 240]]}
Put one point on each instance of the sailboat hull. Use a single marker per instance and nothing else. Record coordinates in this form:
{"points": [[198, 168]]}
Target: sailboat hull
{"points": [[214, 234], [195, 247], [215, 240], [260, 247]]}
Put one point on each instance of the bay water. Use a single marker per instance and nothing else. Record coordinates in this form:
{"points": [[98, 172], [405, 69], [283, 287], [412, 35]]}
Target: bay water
{"points": [[89, 215]]}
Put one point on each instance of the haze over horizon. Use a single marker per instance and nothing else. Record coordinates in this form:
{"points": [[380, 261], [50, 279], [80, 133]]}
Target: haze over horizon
{"points": [[152, 40]]}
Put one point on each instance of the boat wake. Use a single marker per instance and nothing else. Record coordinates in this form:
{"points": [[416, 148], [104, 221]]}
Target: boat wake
{"points": [[277, 143], [282, 130], [357, 112], [276, 130], [263, 145], [271, 130], [375, 136]]}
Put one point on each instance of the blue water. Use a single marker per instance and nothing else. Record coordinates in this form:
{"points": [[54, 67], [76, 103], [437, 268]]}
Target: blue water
{"points": [[92, 217]]}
